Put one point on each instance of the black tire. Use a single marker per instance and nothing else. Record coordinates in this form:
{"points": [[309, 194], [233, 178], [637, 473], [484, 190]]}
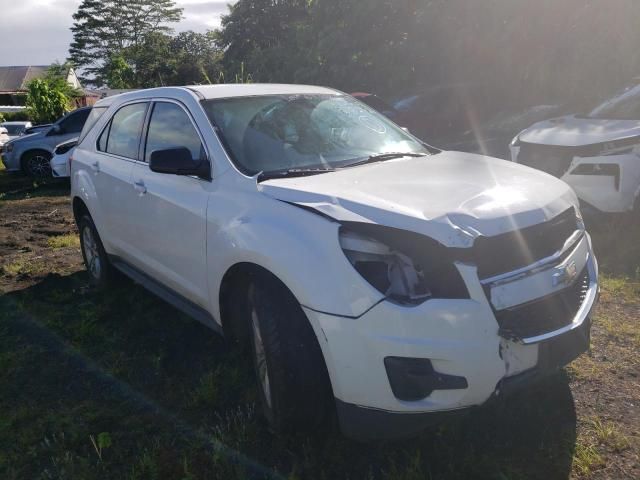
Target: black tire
{"points": [[100, 270], [298, 397], [36, 164]]}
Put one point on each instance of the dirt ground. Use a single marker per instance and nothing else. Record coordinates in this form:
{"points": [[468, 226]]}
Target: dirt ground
{"points": [[120, 385]]}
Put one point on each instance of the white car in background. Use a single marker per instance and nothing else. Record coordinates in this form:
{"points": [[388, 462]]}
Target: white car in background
{"points": [[60, 160], [367, 272], [4, 136], [16, 129], [597, 154]]}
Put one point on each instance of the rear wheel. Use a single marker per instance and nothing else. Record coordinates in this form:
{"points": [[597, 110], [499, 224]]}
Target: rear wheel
{"points": [[95, 258], [292, 378], [36, 164]]}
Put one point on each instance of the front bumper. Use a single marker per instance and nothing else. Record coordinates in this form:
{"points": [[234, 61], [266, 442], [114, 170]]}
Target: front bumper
{"points": [[460, 337], [59, 166], [8, 160]]}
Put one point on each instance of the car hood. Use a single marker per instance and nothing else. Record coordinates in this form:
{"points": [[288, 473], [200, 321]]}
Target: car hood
{"points": [[29, 137], [573, 131], [452, 197]]}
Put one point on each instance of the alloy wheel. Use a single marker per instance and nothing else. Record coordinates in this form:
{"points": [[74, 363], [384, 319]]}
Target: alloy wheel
{"points": [[261, 357], [38, 166], [91, 253]]}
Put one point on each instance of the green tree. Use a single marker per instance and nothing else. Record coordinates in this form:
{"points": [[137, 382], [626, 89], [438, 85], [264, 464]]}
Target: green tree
{"points": [[49, 97], [197, 58], [185, 59], [104, 29], [46, 101], [117, 73], [265, 38]]}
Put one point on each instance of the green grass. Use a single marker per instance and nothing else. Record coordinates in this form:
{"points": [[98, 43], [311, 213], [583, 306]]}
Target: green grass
{"points": [[608, 433], [64, 241], [587, 459], [175, 401], [24, 266]]}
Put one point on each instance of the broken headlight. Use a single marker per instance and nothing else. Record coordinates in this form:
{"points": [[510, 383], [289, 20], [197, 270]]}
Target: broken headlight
{"points": [[393, 273]]}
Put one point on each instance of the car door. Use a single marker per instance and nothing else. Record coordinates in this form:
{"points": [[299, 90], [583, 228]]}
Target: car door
{"points": [[117, 150], [171, 209]]}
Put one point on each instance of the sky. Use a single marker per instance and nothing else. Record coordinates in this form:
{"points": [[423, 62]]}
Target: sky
{"points": [[36, 32]]}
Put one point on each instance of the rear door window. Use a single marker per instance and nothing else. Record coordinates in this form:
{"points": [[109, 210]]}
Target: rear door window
{"points": [[122, 136]]}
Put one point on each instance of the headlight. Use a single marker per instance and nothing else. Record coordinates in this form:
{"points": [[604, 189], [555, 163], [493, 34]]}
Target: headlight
{"points": [[516, 141], [389, 271]]}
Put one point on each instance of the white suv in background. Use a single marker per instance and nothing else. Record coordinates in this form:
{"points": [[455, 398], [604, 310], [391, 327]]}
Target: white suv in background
{"points": [[370, 273], [597, 154]]}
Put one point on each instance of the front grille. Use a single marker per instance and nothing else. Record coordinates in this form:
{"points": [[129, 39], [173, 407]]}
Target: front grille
{"points": [[513, 250], [551, 159], [545, 314]]}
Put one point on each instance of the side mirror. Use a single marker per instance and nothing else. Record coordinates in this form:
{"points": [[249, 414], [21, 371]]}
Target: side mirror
{"points": [[178, 161], [56, 130]]}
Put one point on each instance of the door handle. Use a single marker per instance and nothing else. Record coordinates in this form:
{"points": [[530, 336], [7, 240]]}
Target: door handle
{"points": [[96, 166], [140, 186]]}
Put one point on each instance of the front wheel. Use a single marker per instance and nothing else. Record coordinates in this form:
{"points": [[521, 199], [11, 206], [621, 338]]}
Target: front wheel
{"points": [[36, 164], [292, 378], [95, 258]]}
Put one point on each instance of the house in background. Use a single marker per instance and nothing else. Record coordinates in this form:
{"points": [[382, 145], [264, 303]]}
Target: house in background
{"points": [[14, 81]]}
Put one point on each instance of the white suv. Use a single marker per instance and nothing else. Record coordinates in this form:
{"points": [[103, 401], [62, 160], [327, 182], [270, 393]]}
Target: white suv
{"points": [[370, 274]]}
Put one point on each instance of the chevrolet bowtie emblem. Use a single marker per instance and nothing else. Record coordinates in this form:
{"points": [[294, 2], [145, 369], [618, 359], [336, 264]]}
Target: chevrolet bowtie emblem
{"points": [[565, 274]]}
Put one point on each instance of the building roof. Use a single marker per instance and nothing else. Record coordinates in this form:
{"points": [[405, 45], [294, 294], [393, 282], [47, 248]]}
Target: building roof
{"points": [[15, 79]]}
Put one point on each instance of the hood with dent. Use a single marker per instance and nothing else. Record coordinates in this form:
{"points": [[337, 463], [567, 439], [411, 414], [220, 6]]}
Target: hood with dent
{"points": [[452, 197], [573, 131]]}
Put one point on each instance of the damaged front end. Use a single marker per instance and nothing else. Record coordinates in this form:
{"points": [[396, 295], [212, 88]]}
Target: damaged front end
{"points": [[536, 279], [406, 267]]}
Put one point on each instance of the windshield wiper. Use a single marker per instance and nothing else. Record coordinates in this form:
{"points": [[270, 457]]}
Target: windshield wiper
{"points": [[292, 172], [381, 157]]}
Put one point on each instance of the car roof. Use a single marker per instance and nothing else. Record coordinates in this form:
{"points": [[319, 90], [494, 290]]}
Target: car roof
{"points": [[224, 91]]}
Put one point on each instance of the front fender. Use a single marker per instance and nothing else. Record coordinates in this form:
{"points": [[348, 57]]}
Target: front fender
{"points": [[299, 247]]}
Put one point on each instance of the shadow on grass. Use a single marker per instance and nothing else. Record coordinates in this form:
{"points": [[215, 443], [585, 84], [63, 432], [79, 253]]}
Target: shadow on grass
{"points": [[24, 188], [175, 401]]}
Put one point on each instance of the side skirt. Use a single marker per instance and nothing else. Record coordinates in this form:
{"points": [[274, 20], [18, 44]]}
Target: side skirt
{"points": [[168, 295]]}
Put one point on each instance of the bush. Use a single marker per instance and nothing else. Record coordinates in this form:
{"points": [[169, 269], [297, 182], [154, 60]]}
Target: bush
{"points": [[21, 116]]}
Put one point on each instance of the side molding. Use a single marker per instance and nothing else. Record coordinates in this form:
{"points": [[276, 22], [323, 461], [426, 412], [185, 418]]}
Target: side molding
{"points": [[178, 301]]}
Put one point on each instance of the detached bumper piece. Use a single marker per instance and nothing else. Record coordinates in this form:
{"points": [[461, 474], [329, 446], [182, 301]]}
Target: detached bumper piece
{"points": [[413, 379]]}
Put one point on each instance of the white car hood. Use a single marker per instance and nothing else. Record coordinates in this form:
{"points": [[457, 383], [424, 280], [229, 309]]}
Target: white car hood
{"points": [[572, 131], [452, 197]]}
